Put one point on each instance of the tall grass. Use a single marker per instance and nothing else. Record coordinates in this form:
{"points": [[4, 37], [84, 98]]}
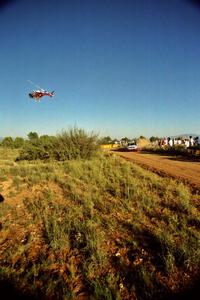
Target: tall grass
{"points": [[101, 228]]}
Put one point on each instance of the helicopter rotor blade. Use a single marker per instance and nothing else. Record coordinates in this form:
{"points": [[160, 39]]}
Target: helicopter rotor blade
{"points": [[37, 86]]}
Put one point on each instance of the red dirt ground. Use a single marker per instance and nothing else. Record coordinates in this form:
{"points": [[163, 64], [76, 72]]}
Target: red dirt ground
{"points": [[176, 167]]}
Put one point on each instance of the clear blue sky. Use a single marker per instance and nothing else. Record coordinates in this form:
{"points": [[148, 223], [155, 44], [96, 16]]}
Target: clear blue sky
{"points": [[118, 68]]}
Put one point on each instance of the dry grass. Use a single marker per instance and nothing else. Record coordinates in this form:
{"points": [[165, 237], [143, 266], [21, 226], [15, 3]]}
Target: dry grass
{"points": [[96, 229]]}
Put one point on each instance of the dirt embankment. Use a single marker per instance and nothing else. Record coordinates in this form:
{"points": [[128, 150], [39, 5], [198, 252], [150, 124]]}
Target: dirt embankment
{"points": [[179, 168]]}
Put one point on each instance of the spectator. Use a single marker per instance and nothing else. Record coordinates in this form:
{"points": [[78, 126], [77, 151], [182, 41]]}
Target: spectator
{"points": [[179, 142], [165, 141], [191, 141], [170, 141], [198, 141], [187, 143]]}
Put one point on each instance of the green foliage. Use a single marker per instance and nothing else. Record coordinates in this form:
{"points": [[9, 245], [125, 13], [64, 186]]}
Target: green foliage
{"points": [[72, 144], [125, 140], [154, 139], [76, 143], [37, 149], [32, 135], [105, 140], [7, 142], [18, 142], [175, 150]]}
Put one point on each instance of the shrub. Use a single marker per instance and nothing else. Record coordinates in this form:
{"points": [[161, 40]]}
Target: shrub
{"points": [[175, 150], [18, 142], [7, 142], [72, 144]]}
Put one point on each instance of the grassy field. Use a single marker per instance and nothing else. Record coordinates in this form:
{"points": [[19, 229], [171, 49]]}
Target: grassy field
{"points": [[101, 228]]}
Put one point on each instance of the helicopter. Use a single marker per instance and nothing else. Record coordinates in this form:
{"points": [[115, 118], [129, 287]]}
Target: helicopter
{"points": [[38, 94]]}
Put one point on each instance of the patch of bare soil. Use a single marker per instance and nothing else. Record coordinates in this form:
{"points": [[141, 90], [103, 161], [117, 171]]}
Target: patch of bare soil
{"points": [[179, 168]]}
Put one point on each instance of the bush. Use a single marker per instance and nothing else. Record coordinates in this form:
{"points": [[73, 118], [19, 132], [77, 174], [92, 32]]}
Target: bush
{"points": [[175, 150], [72, 144], [18, 142], [7, 142]]}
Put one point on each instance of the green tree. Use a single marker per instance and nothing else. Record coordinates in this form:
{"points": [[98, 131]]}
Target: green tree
{"points": [[44, 137], [105, 140], [32, 136], [142, 137], [115, 141], [125, 140], [18, 142], [7, 142], [153, 139]]}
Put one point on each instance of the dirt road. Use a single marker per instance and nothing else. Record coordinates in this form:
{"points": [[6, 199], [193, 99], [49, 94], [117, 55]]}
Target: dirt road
{"points": [[177, 167]]}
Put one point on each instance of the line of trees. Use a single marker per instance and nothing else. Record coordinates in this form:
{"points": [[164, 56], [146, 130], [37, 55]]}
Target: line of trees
{"points": [[18, 142], [9, 142], [109, 140]]}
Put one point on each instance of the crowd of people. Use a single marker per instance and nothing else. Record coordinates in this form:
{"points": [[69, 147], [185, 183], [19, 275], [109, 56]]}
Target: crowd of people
{"points": [[187, 142]]}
